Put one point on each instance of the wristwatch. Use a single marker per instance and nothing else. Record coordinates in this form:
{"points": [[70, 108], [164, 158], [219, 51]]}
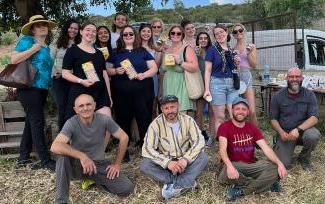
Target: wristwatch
{"points": [[301, 131]]}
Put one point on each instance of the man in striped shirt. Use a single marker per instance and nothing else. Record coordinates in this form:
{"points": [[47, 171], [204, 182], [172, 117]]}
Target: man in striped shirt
{"points": [[173, 150]]}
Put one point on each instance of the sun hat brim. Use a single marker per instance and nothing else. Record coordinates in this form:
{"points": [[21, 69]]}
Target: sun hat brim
{"points": [[25, 30]]}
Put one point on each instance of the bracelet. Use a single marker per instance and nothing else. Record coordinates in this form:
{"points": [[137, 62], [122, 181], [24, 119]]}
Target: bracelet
{"points": [[301, 131], [79, 81]]}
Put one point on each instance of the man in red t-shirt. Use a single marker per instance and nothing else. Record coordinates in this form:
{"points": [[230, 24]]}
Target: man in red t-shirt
{"points": [[237, 140]]}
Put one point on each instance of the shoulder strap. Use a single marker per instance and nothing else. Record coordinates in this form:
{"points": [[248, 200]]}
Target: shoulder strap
{"points": [[184, 53]]}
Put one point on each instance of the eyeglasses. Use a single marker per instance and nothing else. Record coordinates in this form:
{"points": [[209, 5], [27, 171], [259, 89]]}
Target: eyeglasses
{"points": [[176, 33], [128, 34], [238, 31], [156, 26]]}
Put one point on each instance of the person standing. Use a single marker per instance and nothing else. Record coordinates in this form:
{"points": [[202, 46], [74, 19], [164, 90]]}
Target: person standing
{"points": [[294, 114], [174, 77], [247, 54], [133, 93], [83, 66], [120, 21], [69, 35], [189, 30], [33, 47], [219, 65], [203, 42]]}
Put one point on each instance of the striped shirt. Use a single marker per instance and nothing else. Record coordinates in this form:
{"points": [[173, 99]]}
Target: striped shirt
{"points": [[161, 144]]}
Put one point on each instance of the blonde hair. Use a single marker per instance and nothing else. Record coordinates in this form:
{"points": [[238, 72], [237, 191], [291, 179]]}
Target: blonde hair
{"points": [[240, 25], [155, 19]]}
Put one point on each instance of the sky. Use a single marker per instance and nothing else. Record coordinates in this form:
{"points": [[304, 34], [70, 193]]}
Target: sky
{"points": [[100, 10]]}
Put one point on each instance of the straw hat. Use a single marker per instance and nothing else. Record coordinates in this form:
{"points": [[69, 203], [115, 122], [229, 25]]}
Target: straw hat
{"points": [[36, 19]]}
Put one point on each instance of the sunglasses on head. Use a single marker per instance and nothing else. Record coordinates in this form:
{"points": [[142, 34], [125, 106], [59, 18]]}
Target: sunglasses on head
{"points": [[128, 34], [156, 26], [237, 31], [176, 33]]}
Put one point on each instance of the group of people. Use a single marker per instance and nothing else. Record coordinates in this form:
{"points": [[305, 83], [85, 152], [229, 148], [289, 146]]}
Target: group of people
{"points": [[136, 74]]}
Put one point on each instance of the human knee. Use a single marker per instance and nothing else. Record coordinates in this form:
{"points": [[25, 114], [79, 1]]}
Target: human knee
{"points": [[146, 166], [312, 135]]}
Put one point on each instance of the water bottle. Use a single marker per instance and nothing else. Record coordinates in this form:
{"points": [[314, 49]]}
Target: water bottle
{"points": [[266, 74]]}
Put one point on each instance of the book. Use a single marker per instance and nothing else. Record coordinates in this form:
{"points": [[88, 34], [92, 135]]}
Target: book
{"points": [[90, 72], [105, 52], [129, 69]]}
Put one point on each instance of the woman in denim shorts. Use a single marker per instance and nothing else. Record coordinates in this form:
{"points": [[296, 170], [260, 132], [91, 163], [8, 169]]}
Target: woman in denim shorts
{"points": [[219, 62], [247, 54]]}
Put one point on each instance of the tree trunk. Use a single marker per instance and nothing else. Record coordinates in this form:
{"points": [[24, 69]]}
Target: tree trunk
{"points": [[27, 8]]}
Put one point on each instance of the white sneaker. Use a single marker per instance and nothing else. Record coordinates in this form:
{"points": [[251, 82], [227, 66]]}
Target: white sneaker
{"points": [[210, 143], [168, 191]]}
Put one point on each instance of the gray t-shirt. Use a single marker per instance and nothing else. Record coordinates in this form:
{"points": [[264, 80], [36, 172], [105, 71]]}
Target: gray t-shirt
{"points": [[89, 138], [291, 111]]}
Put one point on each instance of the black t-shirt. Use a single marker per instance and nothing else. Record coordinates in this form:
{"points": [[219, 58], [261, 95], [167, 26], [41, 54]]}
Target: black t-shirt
{"points": [[74, 60], [76, 57]]}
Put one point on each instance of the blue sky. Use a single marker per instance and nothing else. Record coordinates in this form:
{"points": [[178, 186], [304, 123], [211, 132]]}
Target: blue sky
{"points": [[100, 10]]}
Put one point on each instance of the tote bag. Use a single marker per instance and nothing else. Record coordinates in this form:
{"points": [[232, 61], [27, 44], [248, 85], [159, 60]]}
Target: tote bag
{"points": [[194, 82]]}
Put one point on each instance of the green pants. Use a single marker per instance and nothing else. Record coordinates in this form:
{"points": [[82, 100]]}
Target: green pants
{"points": [[253, 178]]}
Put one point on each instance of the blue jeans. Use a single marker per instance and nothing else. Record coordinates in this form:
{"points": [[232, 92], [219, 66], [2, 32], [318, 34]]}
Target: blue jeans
{"points": [[184, 180], [222, 91]]}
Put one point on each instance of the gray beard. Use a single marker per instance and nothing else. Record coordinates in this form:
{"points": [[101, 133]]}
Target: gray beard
{"points": [[294, 88]]}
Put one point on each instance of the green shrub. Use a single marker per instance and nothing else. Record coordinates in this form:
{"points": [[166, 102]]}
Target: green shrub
{"points": [[8, 38], [4, 60]]}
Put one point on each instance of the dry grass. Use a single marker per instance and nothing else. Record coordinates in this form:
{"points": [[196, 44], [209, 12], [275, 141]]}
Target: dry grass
{"points": [[30, 186]]}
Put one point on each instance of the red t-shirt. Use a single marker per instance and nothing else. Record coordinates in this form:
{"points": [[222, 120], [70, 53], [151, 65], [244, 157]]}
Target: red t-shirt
{"points": [[240, 141]]}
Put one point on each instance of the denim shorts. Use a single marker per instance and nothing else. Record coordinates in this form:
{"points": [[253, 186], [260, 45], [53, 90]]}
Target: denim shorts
{"points": [[222, 91], [246, 76]]}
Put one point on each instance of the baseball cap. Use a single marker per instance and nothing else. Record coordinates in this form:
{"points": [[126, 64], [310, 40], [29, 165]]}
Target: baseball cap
{"points": [[167, 99], [239, 100]]}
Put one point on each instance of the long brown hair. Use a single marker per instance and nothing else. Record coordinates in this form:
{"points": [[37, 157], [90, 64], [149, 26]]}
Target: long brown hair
{"points": [[121, 44], [150, 41]]}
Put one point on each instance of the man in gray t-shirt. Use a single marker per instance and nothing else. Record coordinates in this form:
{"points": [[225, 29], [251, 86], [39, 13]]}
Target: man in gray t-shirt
{"points": [[294, 113], [81, 146]]}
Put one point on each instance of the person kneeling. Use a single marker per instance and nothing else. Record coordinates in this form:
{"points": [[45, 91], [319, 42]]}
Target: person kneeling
{"points": [[173, 150], [81, 146], [237, 140]]}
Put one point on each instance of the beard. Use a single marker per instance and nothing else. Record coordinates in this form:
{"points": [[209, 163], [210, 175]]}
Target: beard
{"points": [[239, 119], [294, 86]]}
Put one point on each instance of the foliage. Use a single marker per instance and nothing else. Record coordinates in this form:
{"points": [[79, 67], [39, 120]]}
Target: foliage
{"points": [[134, 8], [4, 60], [8, 38]]}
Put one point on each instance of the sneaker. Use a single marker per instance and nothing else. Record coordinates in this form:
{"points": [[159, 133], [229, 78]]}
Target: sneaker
{"points": [[210, 143], [276, 187], [305, 164], [168, 191], [234, 193], [87, 183], [23, 163]]}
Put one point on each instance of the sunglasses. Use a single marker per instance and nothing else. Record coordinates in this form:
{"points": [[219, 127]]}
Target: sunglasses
{"points": [[176, 33], [156, 26], [237, 31], [128, 34]]}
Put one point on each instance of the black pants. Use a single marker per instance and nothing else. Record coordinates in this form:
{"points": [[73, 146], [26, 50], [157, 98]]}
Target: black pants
{"points": [[60, 89], [33, 101], [133, 98]]}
